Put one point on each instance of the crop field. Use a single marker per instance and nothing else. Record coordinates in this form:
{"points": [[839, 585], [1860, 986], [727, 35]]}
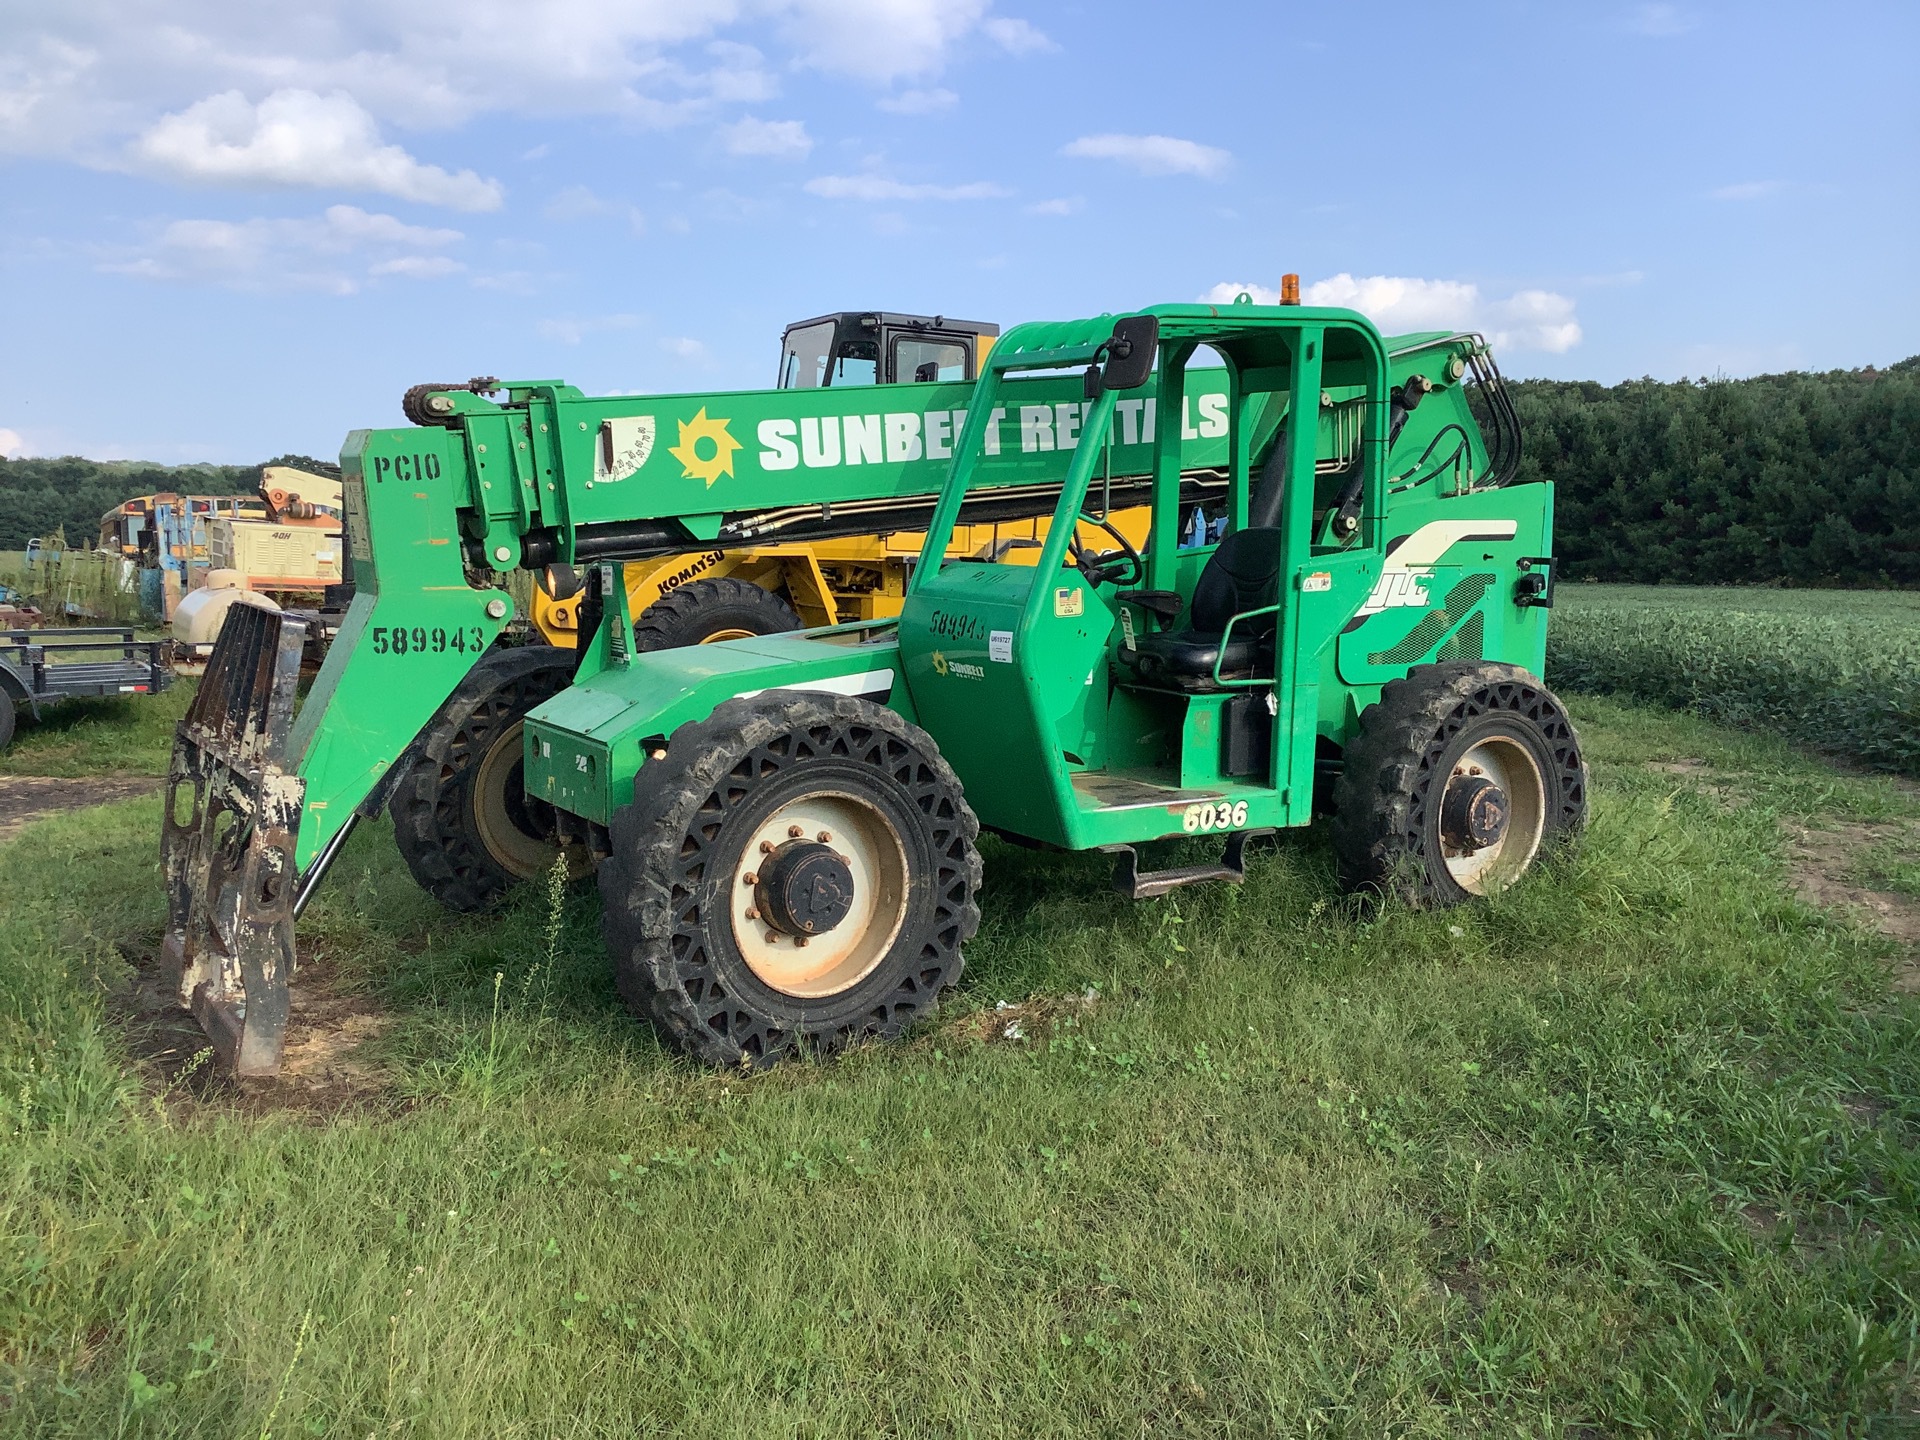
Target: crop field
{"points": [[1837, 670], [1630, 1149]]}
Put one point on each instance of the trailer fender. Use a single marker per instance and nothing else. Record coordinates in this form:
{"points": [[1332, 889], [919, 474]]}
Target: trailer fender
{"points": [[16, 690]]}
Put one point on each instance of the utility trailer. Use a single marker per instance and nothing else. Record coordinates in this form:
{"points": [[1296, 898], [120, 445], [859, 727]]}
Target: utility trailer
{"points": [[784, 826], [39, 668]]}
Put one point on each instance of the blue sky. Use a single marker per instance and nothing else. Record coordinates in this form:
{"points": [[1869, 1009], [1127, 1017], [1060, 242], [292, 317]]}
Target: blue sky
{"points": [[230, 229]]}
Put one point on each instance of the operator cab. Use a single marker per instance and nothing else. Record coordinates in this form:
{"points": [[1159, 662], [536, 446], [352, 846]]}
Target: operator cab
{"points": [[1105, 696], [880, 347]]}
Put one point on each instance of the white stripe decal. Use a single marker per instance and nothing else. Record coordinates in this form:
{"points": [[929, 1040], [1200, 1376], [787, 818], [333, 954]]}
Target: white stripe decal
{"points": [[1434, 539], [1403, 579], [868, 685]]}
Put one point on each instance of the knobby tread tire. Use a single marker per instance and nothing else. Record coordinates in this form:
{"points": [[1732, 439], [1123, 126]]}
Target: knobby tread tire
{"points": [[669, 950], [690, 613], [428, 806], [1386, 780], [9, 718]]}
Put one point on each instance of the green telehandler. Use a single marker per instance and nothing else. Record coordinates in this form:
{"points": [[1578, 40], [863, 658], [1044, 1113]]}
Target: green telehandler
{"points": [[1345, 610]]}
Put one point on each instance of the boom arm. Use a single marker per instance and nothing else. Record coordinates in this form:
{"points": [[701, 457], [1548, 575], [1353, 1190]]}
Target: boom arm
{"points": [[439, 516]]}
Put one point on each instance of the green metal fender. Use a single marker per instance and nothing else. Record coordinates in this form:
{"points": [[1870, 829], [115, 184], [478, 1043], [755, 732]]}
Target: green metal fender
{"points": [[586, 745]]}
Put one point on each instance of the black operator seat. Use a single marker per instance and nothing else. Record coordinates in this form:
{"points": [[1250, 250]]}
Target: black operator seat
{"points": [[1242, 574]]}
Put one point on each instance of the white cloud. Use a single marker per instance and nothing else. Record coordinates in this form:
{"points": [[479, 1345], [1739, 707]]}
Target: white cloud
{"points": [[1064, 205], [739, 75], [1524, 320], [1152, 154], [878, 40], [1017, 37], [337, 252], [1534, 320], [781, 139], [683, 347], [11, 445], [296, 137], [918, 102], [576, 202], [80, 78], [875, 187], [1661, 21], [569, 330], [419, 267], [1747, 190]]}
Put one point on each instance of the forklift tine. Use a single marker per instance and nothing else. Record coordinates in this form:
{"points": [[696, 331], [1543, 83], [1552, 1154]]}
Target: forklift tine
{"points": [[230, 871]]}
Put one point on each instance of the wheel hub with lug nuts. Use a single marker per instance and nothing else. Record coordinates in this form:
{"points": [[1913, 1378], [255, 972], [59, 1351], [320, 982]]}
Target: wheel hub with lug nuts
{"points": [[819, 892], [1474, 813], [1492, 813], [804, 888]]}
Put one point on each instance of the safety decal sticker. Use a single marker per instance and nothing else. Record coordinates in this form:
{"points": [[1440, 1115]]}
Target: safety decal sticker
{"points": [[625, 444]]}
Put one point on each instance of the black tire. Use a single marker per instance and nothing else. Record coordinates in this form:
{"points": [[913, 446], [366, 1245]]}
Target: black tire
{"points": [[705, 610], [1406, 820], [461, 816], [681, 854], [9, 718]]}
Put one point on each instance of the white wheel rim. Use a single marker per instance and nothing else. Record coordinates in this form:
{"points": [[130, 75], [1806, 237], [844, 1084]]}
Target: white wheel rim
{"points": [[1510, 765], [844, 956], [517, 852]]}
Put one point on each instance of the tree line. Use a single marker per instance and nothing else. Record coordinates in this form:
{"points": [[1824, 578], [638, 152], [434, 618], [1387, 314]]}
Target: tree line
{"points": [[67, 496], [1801, 478]]}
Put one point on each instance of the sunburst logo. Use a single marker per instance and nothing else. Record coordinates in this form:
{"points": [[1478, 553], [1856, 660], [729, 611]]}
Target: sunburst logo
{"points": [[939, 663], [713, 432]]}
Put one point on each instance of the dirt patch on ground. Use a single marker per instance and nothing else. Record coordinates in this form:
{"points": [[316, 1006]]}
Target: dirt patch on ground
{"points": [[1706, 779], [1819, 863], [26, 798], [324, 1069], [1016, 1022], [1822, 864], [1680, 767]]}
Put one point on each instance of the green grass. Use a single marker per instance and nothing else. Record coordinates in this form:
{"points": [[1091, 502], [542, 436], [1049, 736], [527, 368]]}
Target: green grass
{"points": [[1896, 607], [79, 578], [1835, 669], [1630, 1150], [129, 735]]}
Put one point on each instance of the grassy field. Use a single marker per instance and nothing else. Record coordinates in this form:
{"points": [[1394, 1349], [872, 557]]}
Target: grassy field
{"points": [[130, 735], [1630, 1150], [78, 580], [1839, 670]]}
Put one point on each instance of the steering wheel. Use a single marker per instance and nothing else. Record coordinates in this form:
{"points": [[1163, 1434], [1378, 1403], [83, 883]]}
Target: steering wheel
{"points": [[1122, 567]]}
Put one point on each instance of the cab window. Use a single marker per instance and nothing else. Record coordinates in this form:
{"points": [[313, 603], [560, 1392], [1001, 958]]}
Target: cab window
{"points": [[855, 362], [926, 358], [803, 357], [810, 358]]}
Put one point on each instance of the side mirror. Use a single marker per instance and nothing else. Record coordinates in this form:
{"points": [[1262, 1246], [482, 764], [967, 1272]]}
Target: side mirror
{"points": [[1130, 352]]}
